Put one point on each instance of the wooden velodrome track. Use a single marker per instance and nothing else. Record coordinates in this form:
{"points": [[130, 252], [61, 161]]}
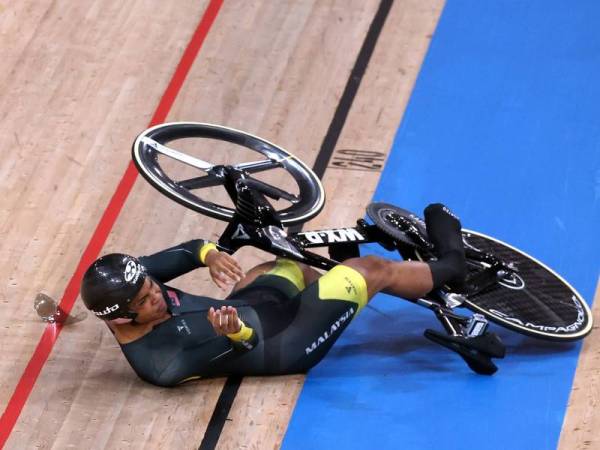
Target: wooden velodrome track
{"points": [[78, 81]]}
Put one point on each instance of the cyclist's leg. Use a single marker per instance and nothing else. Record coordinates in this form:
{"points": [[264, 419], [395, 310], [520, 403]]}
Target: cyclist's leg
{"points": [[444, 230], [405, 279], [413, 279], [327, 306], [299, 274], [252, 274], [323, 310], [408, 279]]}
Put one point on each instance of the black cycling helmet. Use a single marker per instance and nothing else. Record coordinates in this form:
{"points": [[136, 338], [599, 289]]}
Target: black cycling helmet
{"points": [[110, 284]]}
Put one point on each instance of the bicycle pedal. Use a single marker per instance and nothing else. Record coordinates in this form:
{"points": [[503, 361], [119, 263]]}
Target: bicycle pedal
{"points": [[476, 326], [478, 361], [487, 343]]}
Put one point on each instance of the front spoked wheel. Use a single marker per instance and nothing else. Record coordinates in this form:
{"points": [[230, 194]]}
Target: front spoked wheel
{"points": [[188, 177]]}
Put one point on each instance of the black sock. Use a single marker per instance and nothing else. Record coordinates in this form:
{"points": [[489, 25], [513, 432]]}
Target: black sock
{"points": [[449, 269], [443, 229]]}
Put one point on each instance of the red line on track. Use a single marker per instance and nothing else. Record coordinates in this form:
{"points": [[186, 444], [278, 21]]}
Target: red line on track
{"points": [[52, 331]]}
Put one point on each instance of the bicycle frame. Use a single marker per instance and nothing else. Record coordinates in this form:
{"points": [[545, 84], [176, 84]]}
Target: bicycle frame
{"points": [[255, 223]]}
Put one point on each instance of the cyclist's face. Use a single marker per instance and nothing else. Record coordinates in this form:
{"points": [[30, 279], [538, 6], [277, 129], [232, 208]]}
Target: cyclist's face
{"points": [[149, 303]]}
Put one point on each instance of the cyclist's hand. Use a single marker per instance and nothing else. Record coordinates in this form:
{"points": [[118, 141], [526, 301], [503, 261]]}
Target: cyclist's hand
{"points": [[224, 269], [224, 320]]}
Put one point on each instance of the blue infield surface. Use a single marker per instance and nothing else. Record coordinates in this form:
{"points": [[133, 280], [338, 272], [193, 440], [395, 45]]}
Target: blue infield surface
{"points": [[503, 126]]}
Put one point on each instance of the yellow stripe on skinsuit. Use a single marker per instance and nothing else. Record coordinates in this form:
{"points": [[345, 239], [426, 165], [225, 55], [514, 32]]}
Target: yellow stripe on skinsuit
{"points": [[289, 270], [344, 283]]}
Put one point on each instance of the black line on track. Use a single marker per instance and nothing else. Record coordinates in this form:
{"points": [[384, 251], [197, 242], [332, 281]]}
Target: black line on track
{"points": [[219, 416], [360, 66], [227, 397]]}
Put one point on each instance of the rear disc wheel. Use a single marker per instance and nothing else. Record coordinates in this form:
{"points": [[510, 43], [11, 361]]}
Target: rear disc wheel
{"points": [[534, 300]]}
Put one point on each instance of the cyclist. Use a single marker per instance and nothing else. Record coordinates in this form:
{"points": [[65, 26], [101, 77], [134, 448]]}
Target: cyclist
{"points": [[281, 317]]}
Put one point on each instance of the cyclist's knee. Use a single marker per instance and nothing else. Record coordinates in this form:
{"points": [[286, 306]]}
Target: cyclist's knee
{"points": [[253, 274], [373, 269], [310, 274], [369, 263]]}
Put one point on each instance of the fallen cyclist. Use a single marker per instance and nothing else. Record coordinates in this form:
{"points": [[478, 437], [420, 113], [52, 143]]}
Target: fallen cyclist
{"points": [[281, 317]]}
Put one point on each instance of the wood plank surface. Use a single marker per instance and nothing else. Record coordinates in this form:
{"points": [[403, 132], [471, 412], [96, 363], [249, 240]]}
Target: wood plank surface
{"points": [[259, 418], [90, 76], [79, 81], [582, 421], [84, 78]]}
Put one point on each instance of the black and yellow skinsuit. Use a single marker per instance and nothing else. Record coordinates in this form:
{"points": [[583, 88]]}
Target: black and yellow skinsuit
{"points": [[288, 327]]}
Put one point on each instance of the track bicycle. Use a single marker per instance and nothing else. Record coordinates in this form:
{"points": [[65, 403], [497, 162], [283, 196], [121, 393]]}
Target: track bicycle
{"points": [[503, 285]]}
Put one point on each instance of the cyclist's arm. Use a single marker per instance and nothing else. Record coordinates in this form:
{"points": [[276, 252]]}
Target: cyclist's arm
{"points": [[206, 359], [178, 260]]}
